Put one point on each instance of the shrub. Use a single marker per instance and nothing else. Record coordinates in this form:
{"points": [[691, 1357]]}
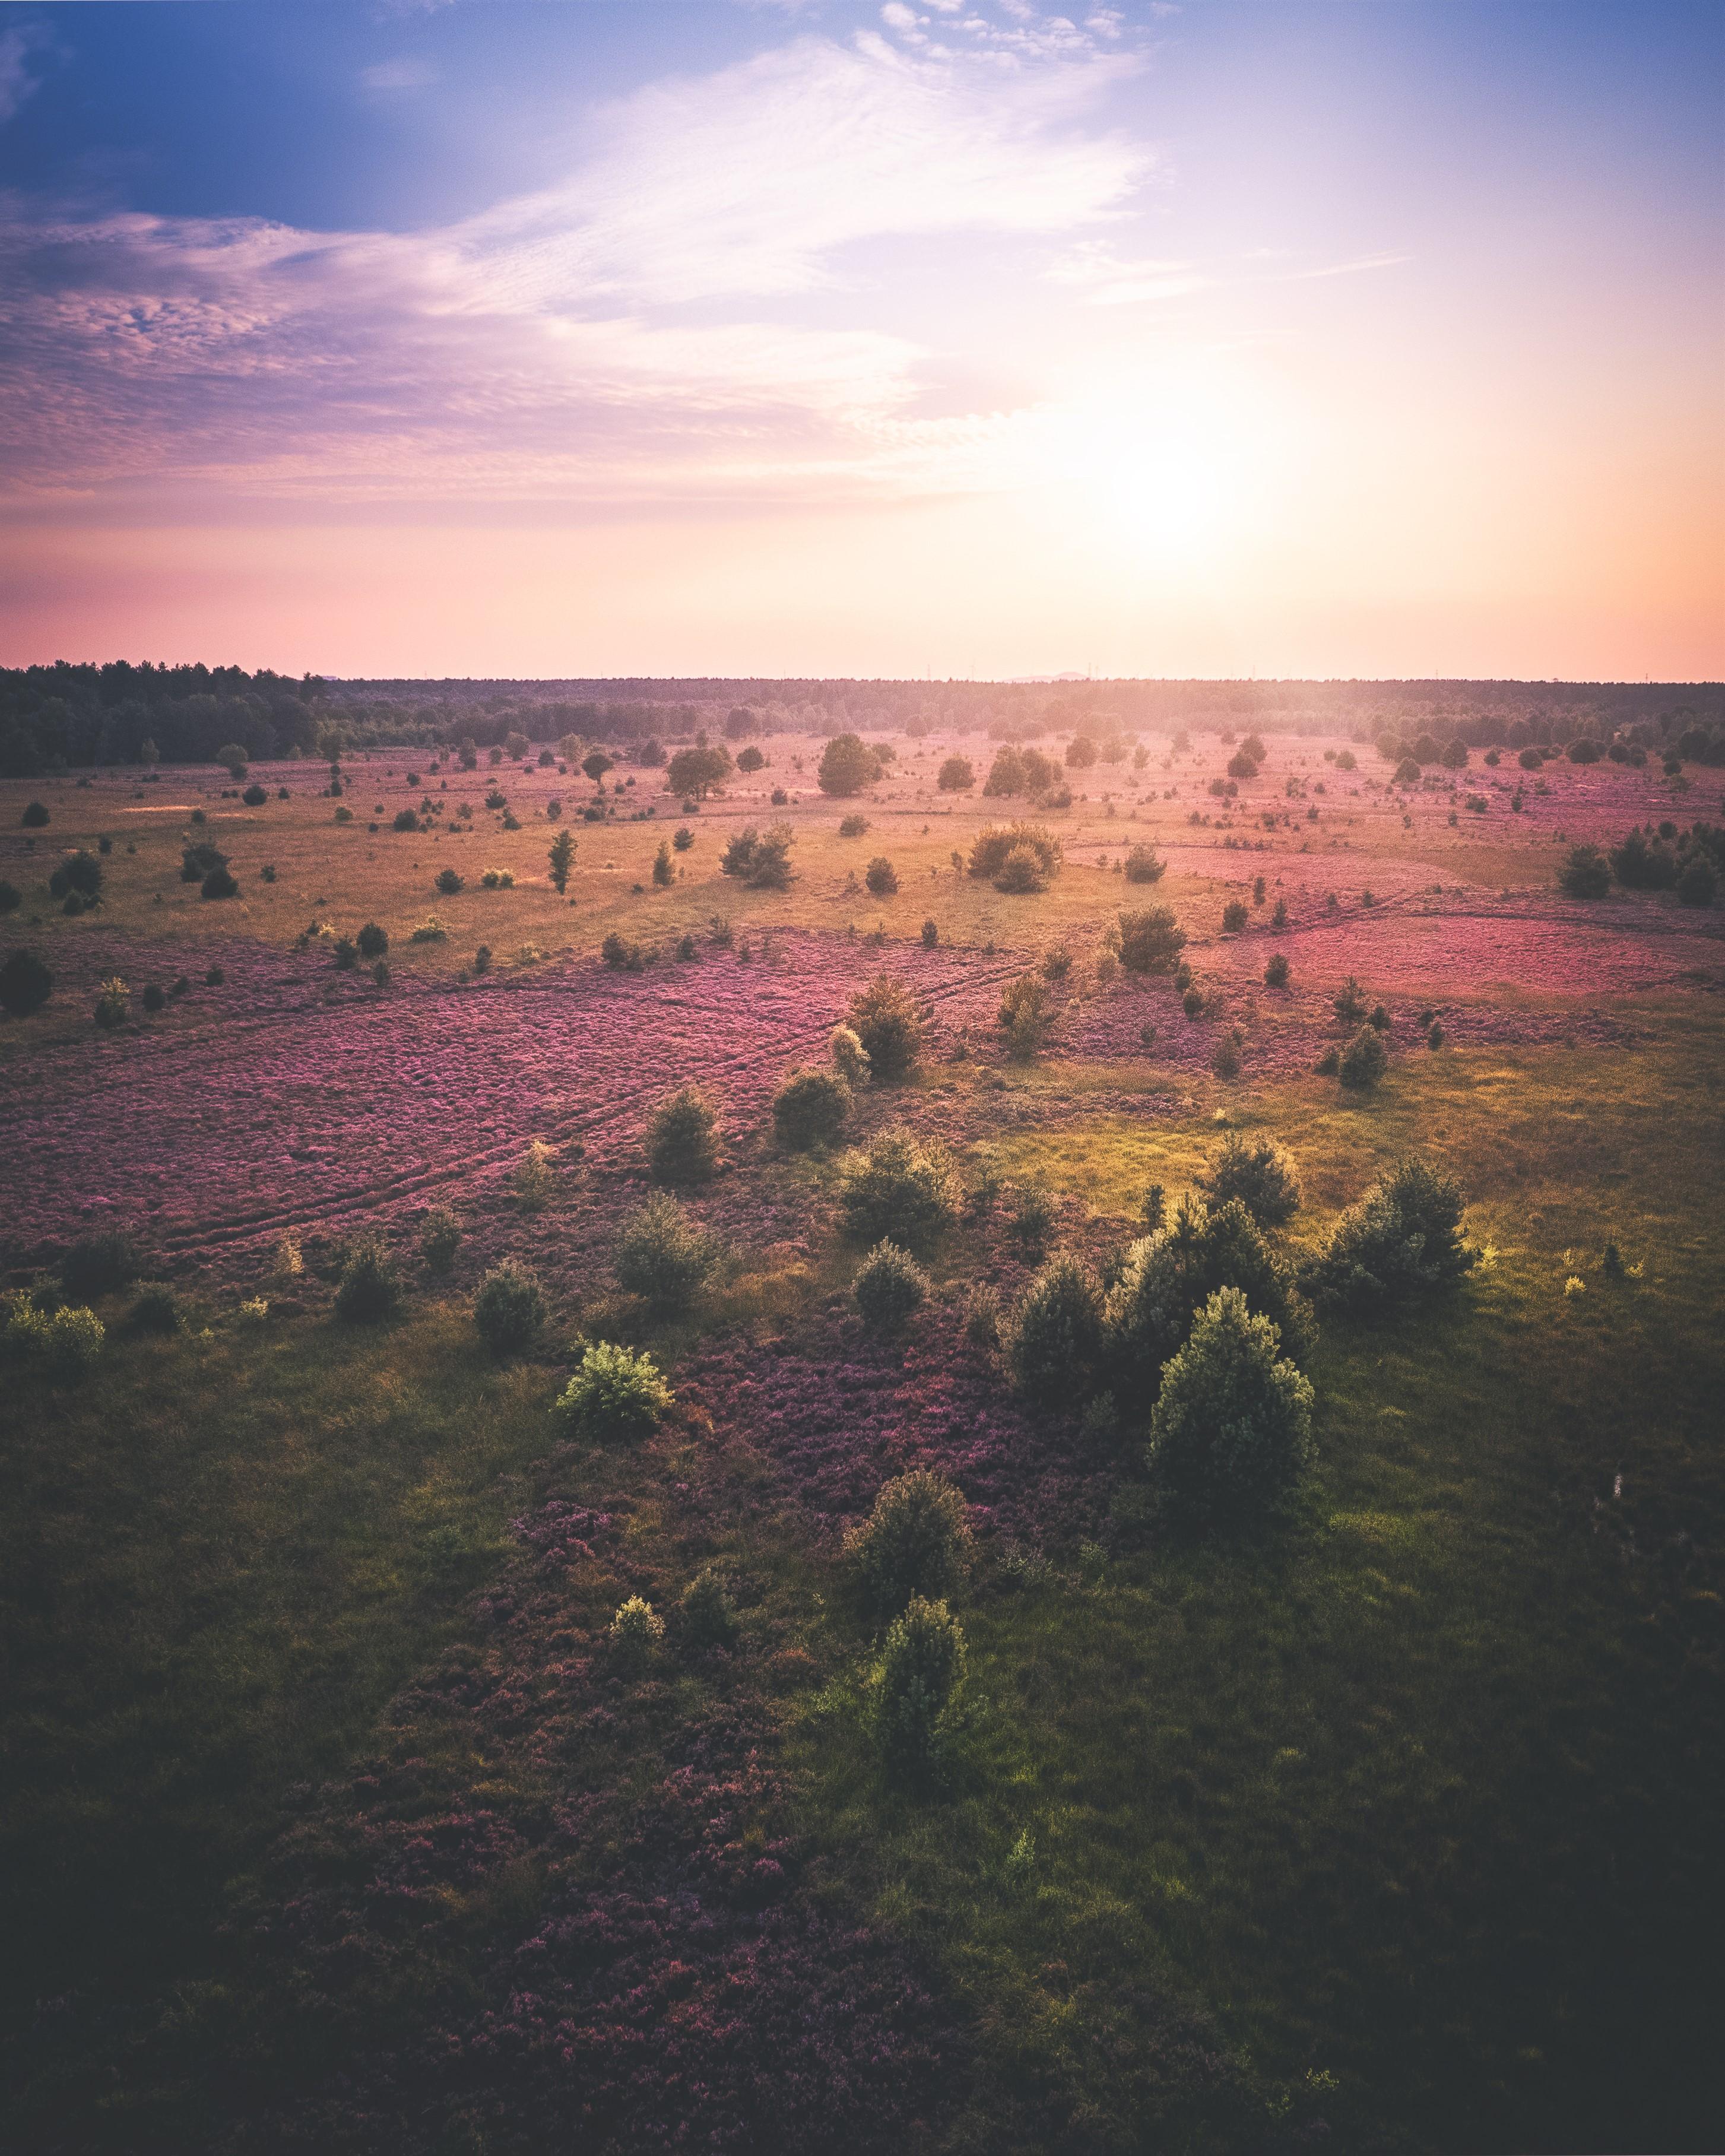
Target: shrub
{"points": [[71, 1340], [156, 1310], [1030, 1216], [1349, 1002], [498, 880], [1056, 962], [663, 1255], [1697, 881], [1021, 874], [1230, 1435], [1225, 1056], [1276, 972], [1379, 1020], [850, 1059], [406, 820], [706, 1609], [1329, 1063], [1639, 865], [11, 897], [219, 883], [635, 1635], [25, 983], [758, 862], [1586, 873], [1024, 1017], [1402, 1238], [1141, 865], [810, 1109], [97, 1265], [614, 1395], [921, 1668], [995, 846], [751, 761], [898, 1188], [982, 1318], [881, 877], [1150, 941], [1407, 773], [847, 765], [374, 941], [664, 874], [930, 935], [1167, 1276], [852, 826], [1234, 917], [448, 881], [509, 1309], [884, 1019], [682, 1138], [1364, 1061], [890, 1285], [346, 955], [34, 817], [439, 1239], [1053, 1343], [956, 776], [371, 1283], [622, 956], [1259, 1173], [113, 1005], [81, 872], [535, 1175], [916, 1541], [1192, 1003], [1434, 1035]]}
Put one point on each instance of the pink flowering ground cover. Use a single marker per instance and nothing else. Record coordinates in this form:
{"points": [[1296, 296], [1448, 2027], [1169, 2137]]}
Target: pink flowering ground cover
{"points": [[344, 1114]]}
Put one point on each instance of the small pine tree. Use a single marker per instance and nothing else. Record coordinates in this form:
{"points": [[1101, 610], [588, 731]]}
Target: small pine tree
{"points": [[809, 1108], [634, 1635], [884, 1019], [1364, 1061], [371, 1282], [921, 1669], [916, 1541], [663, 1255], [899, 1188], [889, 1288], [708, 1616], [614, 1395], [1054, 1341], [1259, 1173], [682, 1138], [561, 857], [1231, 1432], [509, 1309]]}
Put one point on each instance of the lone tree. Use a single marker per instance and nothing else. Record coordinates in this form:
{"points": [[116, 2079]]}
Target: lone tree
{"points": [[694, 772], [596, 765], [1231, 1432], [847, 765], [562, 858]]}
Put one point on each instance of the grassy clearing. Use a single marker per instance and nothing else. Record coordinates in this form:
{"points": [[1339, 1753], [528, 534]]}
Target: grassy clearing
{"points": [[1417, 1797], [220, 1556]]}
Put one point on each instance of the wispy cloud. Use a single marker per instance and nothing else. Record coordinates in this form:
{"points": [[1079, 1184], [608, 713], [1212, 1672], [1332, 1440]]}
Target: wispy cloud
{"points": [[17, 81], [399, 75], [598, 339]]}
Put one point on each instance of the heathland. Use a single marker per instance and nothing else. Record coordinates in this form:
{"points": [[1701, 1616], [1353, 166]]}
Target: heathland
{"points": [[1020, 1453]]}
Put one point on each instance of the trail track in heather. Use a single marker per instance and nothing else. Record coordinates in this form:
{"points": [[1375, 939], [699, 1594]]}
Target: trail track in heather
{"points": [[326, 1113]]}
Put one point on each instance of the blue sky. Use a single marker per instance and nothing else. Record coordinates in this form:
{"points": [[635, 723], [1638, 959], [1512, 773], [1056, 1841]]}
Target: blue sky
{"points": [[1279, 335]]}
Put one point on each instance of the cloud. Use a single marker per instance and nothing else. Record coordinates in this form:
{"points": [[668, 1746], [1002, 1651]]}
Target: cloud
{"points": [[1109, 282], [398, 74], [17, 82], [602, 340]]}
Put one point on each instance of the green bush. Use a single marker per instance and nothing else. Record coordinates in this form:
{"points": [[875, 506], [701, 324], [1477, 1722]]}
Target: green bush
{"points": [[1364, 1061], [708, 1616], [439, 1239], [219, 883], [1024, 1017], [635, 1635], [916, 1541], [1053, 1343], [1259, 1173], [157, 1309], [1167, 1276], [1697, 881], [1231, 1432], [371, 1283], [448, 881], [758, 862], [509, 1309], [881, 877], [921, 1668], [1402, 1238], [889, 1287], [682, 1138], [850, 1059], [1586, 873], [1021, 875], [1151, 940], [25, 983], [1141, 865], [97, 1265], [1276, 972], [884, 1019], [852, 826], [71, 1341], [956, 776], [898, 1188], [995, 845], [624, 955], [373, 941], [663, 1255], [810, 1109], [930, 935], [1234, 917], [615, 1394]]}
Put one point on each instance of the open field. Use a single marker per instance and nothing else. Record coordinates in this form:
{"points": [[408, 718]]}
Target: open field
{"points": [[332, 1820]]}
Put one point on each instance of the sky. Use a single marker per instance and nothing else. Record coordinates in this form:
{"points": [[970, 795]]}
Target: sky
{"points": [[557, 337]]}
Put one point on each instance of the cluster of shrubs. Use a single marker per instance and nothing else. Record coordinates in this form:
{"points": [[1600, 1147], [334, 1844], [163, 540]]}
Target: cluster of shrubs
{"points": [[1689, 863], [1019, 859]]}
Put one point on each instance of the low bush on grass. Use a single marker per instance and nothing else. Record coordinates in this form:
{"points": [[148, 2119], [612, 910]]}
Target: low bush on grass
{"points": [[1150, 940], [682, 1138], [156, 1310], [1143, 865], [921, 1669], [916, 1541], [25, 983], [370, 1287], [889, 1287], [96, 1264], [760, 861], [624, 955], [809, 1108], [1402, 1238], [898, 1188], [1259, 1173], [509, 1308], [1234, 917], [614, 1395], [1054, 1343], [1364, 1061], [439, 1239], [1586, 873], [707, 1615], [663, 1255], [881, 877], [1230, 1435], [850, 1059], [884, 1019], [993, 849], [1024, 1017], [634, 1635]]}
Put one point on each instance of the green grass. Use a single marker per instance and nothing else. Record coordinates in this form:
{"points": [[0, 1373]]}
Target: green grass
{"points": [[220, 1556], [1419, 1795]]}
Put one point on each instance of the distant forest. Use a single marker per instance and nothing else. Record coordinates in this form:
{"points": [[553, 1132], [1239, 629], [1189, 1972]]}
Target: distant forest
{"points": [[56, 717]]}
